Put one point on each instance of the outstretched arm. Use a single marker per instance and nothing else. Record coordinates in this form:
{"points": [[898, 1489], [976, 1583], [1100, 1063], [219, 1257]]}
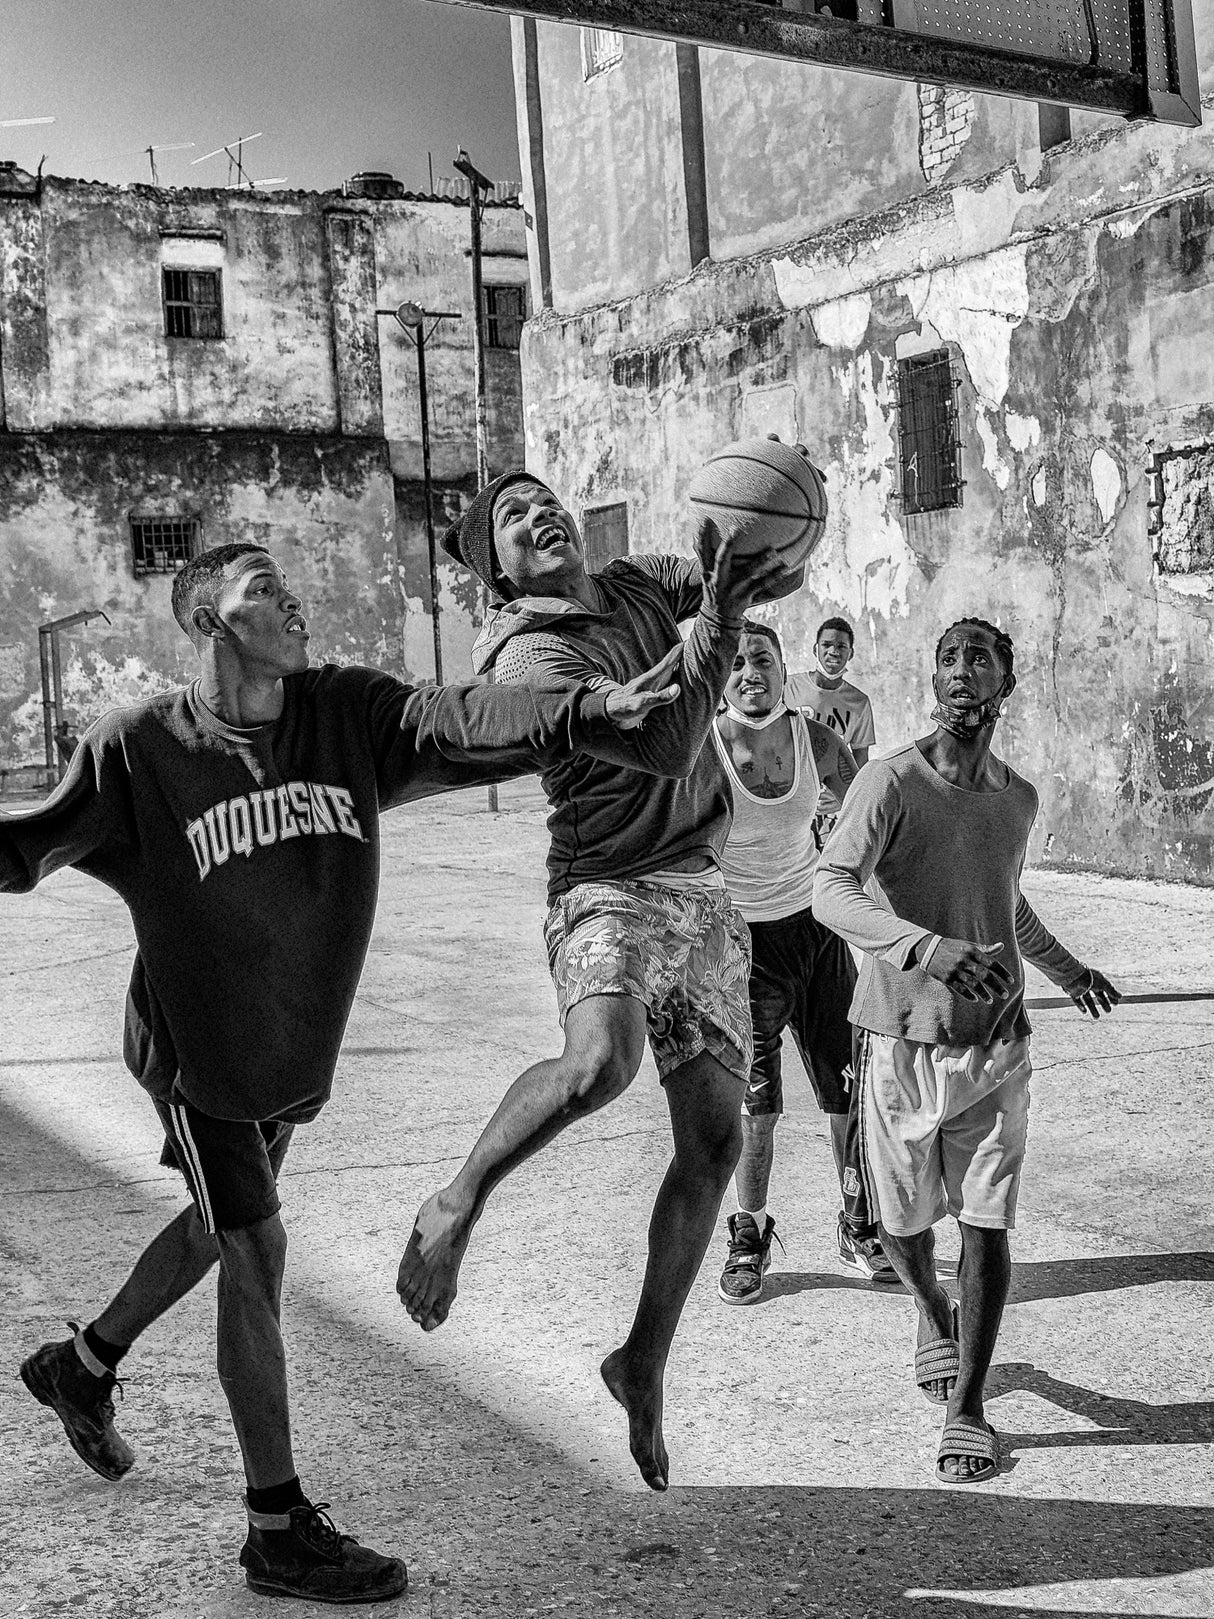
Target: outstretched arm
{"points": [[88, 813], [1090, 990]]}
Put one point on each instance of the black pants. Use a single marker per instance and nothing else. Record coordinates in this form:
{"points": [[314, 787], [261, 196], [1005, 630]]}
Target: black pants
{"points": [[802, 978]]}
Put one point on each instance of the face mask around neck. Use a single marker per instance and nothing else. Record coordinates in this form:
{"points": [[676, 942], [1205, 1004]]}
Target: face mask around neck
{"points": [[760, 724], [966, 722]]}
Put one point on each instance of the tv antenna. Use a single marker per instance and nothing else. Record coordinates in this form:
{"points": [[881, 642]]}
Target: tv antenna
{"points": [[173, 146], [239, 179]]}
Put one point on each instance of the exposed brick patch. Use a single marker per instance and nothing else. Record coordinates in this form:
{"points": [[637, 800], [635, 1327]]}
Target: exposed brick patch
{"points": [[946, 116], [1180, 508]]}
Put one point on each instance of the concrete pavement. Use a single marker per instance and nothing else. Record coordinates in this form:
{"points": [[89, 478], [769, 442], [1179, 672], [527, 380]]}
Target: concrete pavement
{"points": [[488, 1454]]}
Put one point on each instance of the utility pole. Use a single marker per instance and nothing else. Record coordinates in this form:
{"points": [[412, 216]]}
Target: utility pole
{"points": [[478, 188], [412, 318]]}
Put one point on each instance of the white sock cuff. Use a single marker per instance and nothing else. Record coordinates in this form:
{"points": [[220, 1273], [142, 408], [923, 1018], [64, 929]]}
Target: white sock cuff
{"points": [[87, 1358]]}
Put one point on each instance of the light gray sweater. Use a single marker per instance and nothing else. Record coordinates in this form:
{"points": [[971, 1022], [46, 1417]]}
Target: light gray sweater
{"points": [[948, 861]]}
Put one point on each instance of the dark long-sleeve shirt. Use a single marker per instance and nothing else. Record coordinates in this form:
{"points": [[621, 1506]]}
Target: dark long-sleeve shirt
{"points": [[948, 861], [608, 820], [250, 860]]}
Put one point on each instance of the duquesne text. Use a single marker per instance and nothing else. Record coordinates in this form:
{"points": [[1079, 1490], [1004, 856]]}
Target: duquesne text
{"points": [[297, 809]]}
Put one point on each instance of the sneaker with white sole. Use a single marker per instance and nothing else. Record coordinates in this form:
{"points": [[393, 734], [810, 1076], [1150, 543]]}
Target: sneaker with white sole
{"points": [[749, 1257], [300, 1554], [56, 1376], [866, 1255]]}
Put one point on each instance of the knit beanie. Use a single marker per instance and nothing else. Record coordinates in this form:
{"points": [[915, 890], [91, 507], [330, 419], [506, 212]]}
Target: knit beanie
{"points": [[470, 538]]}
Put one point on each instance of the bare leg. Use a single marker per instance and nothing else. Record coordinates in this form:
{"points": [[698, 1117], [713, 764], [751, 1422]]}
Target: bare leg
{"points": [[753, 1174], [914, 1259], [171, 1265], [984, 1277], [704, 1099], [604, 1043], [252, 1364]]}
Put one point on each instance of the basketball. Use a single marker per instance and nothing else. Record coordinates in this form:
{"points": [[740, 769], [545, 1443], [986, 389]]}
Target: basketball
{"points": [[764, 495]]}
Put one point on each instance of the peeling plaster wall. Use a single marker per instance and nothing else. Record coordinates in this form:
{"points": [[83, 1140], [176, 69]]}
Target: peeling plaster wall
{"points": [[1075, 307], [300, 429]]}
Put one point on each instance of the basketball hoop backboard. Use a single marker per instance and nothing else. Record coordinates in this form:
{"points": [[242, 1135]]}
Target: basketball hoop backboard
{"points": [[1133, 57]]}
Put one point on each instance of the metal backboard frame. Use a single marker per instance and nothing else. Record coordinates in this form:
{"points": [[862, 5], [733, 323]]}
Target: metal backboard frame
{"points": [[1136, 58]]}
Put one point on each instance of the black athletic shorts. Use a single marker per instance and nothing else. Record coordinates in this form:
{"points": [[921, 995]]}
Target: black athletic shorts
{"points": [[801, 978], [230, 1165]]}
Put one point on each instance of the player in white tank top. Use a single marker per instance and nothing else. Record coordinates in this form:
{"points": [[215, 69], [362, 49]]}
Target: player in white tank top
{"points": [[778, 763]]}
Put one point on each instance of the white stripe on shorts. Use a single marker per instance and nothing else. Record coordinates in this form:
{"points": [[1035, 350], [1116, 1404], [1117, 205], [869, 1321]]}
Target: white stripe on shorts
{"points": [[191, 1166]]}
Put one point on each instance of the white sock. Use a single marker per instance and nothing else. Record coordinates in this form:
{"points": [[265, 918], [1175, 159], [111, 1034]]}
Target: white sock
{"points": [[759, 1216]]}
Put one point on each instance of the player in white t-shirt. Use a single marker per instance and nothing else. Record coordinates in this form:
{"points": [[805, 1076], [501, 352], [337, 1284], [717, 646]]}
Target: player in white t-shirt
{"points": [[830, 699], [785, 770]]}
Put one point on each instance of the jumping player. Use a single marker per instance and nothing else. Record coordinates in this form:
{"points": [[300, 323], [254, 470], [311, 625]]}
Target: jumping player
{"points": [[640, 931], [944, 1052], [779, 762], [826, 696], [238, 819]]}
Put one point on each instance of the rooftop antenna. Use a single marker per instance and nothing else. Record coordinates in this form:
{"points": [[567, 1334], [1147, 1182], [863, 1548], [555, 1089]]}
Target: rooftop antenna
{"points": [[174, 146], [237, 175]]}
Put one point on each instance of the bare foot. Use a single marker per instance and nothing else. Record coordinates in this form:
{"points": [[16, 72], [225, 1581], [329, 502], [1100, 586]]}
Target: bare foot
{"points": [[642, 1401], [429, 1268], [939, 1324]]}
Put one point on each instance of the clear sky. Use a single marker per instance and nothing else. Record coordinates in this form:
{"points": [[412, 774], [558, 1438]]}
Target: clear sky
{"points": [[336, 86]]}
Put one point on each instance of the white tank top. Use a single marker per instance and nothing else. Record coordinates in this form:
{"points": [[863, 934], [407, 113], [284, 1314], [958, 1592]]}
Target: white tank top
{"points": [[771, 853]]}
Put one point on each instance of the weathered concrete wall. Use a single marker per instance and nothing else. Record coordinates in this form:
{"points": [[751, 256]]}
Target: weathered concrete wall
{"points": [[614, 168], [788, 149], [1075, 306], [300, 428], [325, 507]]}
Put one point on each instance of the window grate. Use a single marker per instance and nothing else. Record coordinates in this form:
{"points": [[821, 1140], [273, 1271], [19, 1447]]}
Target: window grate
{"points": [[505, 310], [602, 49], [928, 436], [604, 535], [163, 544], [193, 306]]}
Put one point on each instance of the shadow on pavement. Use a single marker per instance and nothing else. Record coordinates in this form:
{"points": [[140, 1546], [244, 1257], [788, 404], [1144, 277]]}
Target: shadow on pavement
{"points": [[1121, 1421], [491, 1517], [1031, 1279]]}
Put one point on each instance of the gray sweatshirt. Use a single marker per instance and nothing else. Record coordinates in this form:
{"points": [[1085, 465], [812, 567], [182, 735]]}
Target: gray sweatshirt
{"points": [[947, 861]]}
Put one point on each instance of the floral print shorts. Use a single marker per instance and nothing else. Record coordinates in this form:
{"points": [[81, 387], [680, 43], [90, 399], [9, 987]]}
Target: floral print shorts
{"points": [[683, 952]]}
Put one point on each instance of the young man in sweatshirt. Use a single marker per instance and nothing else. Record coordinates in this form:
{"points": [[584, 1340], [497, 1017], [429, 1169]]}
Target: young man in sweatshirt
{"points": [[238, 819], [640, 932], [943, 825], [780, 762]]}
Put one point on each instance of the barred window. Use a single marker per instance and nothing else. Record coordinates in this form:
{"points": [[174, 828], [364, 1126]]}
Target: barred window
{"points": [[163, 544], [604, 535], [602, 48], [193, 306], [928, 439], [505, 312]]}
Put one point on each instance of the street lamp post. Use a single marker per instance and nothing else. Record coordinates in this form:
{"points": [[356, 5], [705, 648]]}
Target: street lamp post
{"points": [[478, 187], [412, 318]]}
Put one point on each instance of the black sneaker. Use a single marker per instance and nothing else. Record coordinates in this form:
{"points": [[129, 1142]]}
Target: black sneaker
{"points": [[866, 1255], [56, 1375], [749, 1256], [300, 1554]]}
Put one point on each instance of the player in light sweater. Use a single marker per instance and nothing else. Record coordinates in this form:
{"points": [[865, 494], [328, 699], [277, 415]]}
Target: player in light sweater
{"points": [[943, 825], [779, 762]]}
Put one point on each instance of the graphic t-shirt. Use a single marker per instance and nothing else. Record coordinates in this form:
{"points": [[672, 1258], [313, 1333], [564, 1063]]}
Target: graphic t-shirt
{"points": [[249, 860], [846, 709]]}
